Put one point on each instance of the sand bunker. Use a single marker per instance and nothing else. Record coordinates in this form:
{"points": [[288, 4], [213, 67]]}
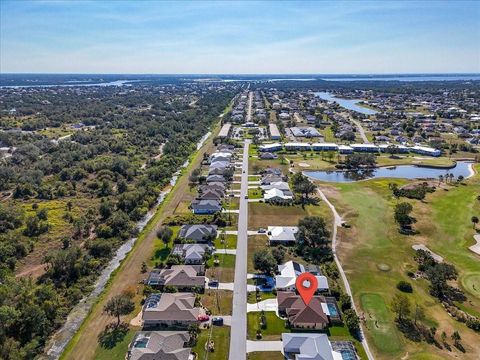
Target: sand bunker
{"points": [[476, 248], [437, 257], [383, 267], [302, 164]]}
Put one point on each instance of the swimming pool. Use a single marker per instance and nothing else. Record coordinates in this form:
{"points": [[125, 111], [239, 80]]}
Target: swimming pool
{"points": [[332, 309]]}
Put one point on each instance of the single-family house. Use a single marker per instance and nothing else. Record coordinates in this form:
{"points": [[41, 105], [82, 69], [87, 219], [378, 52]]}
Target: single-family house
{"points": [[198, 233], [300, 315], [161, 345], [205, 207], [288, 272], [286, 235], [191, 253], [182, 277], [309, 346], [170, 309]]}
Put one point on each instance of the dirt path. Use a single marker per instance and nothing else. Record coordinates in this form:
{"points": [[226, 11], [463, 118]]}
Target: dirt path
{"points": [[129, 275]]}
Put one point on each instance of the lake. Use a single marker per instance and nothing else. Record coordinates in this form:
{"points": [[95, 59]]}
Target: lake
{"points": [[350, 104], [402, 172]]}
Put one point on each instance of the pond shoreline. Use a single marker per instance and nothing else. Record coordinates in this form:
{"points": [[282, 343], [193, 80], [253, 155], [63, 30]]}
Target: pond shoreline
{"points": [[340, 172]]}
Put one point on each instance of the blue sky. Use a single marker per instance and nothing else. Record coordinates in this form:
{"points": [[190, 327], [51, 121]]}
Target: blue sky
{"points": [[239, 37]]}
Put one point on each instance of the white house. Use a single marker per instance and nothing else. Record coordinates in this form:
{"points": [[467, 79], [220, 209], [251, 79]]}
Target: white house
{"points": [[288, 275], [270, 147], [424, 150], [277, 195], [282, 234], [298, 146], [324, 147]]}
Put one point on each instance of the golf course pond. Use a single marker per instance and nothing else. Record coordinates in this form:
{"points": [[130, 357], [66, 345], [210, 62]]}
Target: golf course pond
{"points": [[462, 168]]}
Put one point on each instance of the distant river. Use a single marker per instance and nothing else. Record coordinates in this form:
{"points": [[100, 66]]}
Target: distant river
{"points": [[350, 104], [402, 172], [465, 77], [71, 84]]}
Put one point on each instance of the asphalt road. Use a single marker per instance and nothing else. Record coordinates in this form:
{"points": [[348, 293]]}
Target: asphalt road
{"points": [[238, 335]]}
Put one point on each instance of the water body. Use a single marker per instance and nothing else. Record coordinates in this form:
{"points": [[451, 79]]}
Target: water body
{"points": [[57, 343], [78, 84], [460, 77], [350, 104], [403, 172]]}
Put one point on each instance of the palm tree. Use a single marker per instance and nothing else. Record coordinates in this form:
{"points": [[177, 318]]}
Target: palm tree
{"points": [[474, 221]]}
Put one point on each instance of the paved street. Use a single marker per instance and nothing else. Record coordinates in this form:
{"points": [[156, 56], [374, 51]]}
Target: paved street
{"points": [[238, 336]]}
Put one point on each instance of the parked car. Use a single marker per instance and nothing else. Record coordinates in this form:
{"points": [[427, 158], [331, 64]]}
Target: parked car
{"points": [[218, 321], [262, 231], [203, 318], [213, 283], [246, 196]]}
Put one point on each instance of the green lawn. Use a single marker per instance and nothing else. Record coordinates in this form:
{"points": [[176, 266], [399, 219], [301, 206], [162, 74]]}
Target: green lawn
{"points": [[118, 351], [227, 241], [255, 194], [275, 326], [221, 338], [265, 355], [252, 299], [255, 243]]}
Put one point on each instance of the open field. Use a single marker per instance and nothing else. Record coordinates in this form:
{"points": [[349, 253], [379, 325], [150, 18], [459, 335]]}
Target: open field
{"points": [[84, 343], [255, 243], [261, 215], [444, 226]]}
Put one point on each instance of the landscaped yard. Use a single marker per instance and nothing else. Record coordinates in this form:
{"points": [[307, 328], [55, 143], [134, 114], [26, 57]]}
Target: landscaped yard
{"points": [[255, 194], [221, 338], [273, 331]]}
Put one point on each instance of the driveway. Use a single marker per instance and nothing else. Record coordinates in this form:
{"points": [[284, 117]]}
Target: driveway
{"points": [[254, 346], [226, 251], [265, 305]]}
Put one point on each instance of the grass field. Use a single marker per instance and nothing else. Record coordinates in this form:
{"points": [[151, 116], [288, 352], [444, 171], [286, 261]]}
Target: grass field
{"points": [[444, 226], [380, 323], [221, 338], [255, 194], [255, 243], [273, 331], [261, 215]]}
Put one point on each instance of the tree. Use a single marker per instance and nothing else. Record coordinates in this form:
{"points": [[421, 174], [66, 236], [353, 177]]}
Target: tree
{"points": [[352, 321], [443, 336], [165, 234], [402, 214], [418, 314], [401, 306], [119, 305], [313, 231], [404, 286], [279, 254], [456, 338], [264, 261], [345, 302], [474, 221]]}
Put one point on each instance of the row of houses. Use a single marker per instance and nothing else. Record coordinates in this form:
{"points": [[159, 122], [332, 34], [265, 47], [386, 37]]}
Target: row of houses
{"points": [[349, 149], [275, 188], [174, 302]]}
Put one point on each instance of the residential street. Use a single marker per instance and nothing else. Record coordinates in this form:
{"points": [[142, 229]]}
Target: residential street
{"points": [[238, 336]]}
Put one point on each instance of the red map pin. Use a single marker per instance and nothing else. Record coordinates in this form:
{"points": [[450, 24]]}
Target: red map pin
{"points": [[306, 285]]}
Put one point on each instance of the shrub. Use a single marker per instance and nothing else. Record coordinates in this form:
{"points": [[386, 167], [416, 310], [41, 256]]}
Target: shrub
{"points": [[404, 286]]}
